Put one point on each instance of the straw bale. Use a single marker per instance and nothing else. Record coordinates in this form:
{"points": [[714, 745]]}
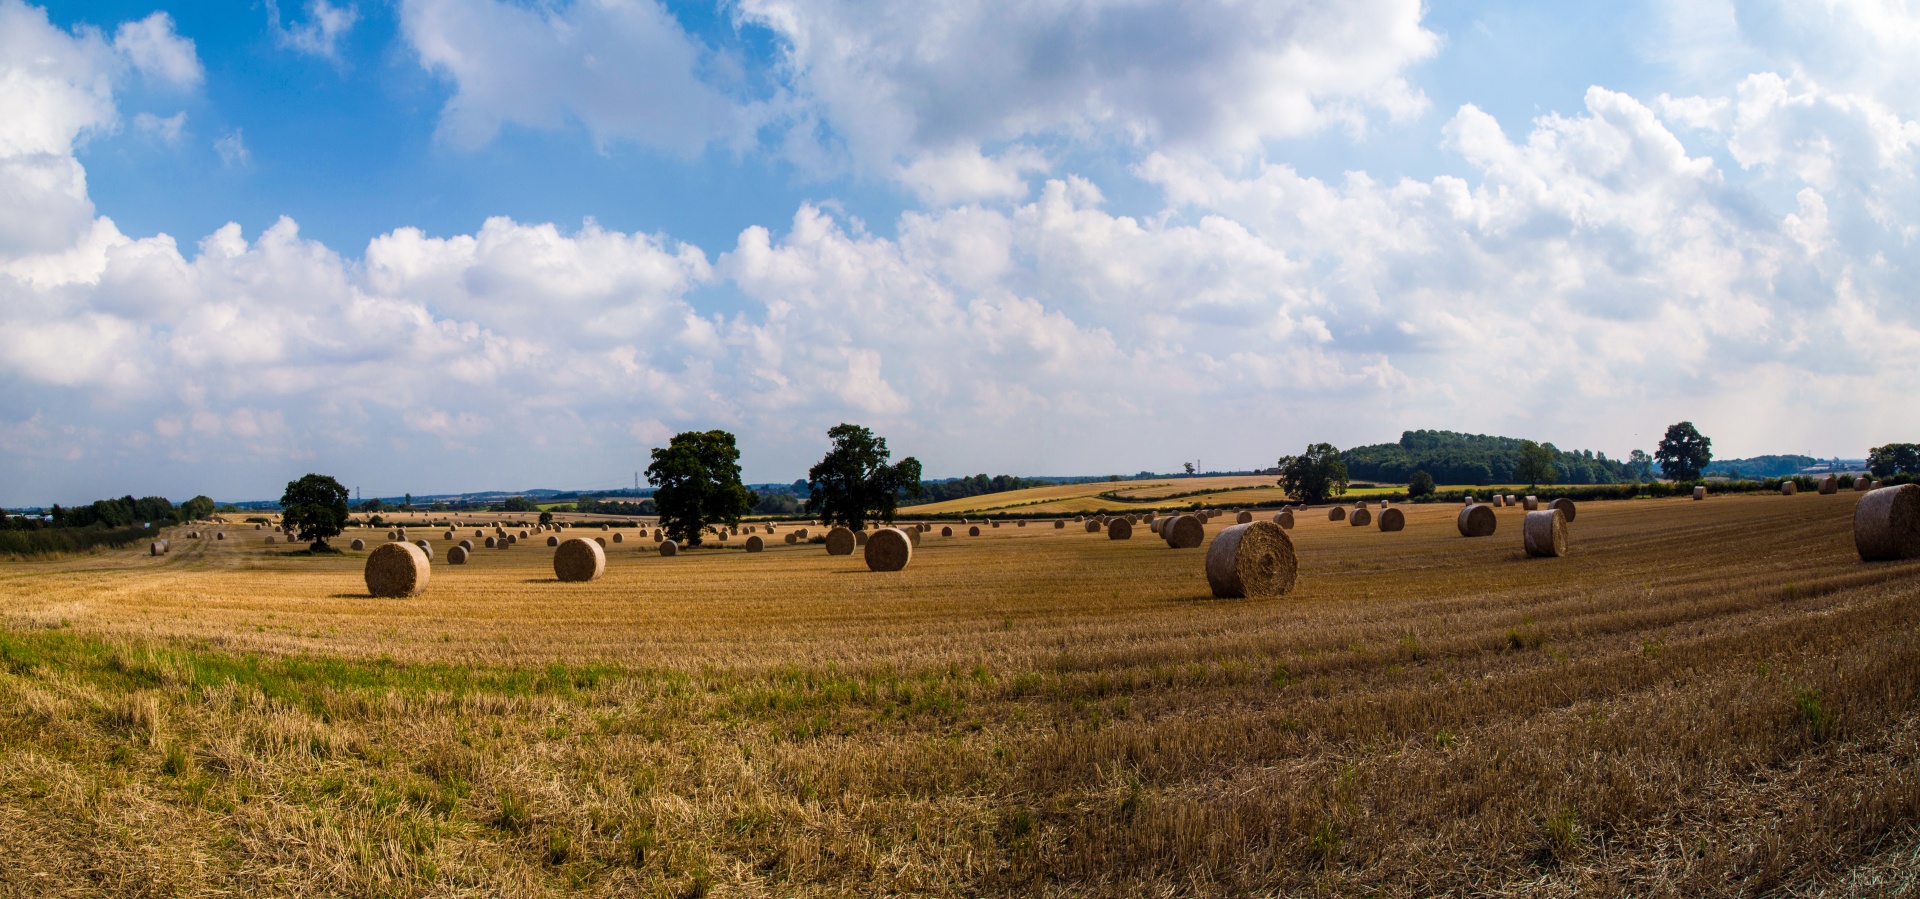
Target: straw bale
{"points": [[1120, 529], [425, 546], [669, 548], [1862, 484], [1829, 485], [456, 555], [579, 559], [1545, 533], [1478, 520], [1789, 488], [1284, 518], [1361, 518], [157, 547], [1184, 532], [840, 542], [860, 538], [1243, 517], [493, 542], [946, 532], [357, 544], [1060, 525], [755, 544], [1886, 524], [973, 531], [1699, 493], [792, 538], [1392, 520], [398, 569], [1531, 504], [553, 540], [1565, 506], [619, 538], [1251, 560], [889, 549], [1093, 526]]}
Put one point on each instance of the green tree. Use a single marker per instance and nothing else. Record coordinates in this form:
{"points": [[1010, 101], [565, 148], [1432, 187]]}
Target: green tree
{"points": [[855, 482], [1894, 458], [1641, 463], [518, 504], [1535, 465], [546, 517], [1314, 476], [196, 509], [696, 477], [1420, 485], [316, 506], [1683, 452]]}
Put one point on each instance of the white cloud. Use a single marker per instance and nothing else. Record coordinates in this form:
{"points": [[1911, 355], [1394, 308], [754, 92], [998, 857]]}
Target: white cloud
{"points": [[320, 34], [156, 51], [623, 69], [232, 148], [167, 130]]}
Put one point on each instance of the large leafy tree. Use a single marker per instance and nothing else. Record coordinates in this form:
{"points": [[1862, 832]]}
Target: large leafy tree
{"points": [[1314, 476], [1421, 484], [316, 507], [1642, 464], [1536, 464], [1683, 452], [696, 480], [855, 482], [196, 509], [1894, 458]]}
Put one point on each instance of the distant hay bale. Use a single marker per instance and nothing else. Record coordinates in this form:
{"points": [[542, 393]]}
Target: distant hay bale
{"points": [[219, 535], [1478, 520], [803, 533], [393, 535], [1023, 522], [1531, 504], [456, 555], [602, 541], [1060, 525], [1829, 485], [1392, 520], [1154, 526], [1183, 532], [913, 537], [512, 540], [755, 544], [1789, 488], [398, 569], [973, 531], [467, 545], [946, 532], [1469, 500], [618, 537], [479, 533], [1120, 529], [669, 548], [1886, 524], [1565, 506], [1699, 493], [1545, 533], [1284, 518], [840, 542], [1251, 560], [1243, 517], [792, 538], [579, 559], [606, 527], [269, 538], [424, 547], [157, 547], [860, 538], [660, 534], [492, 542], [553, 541], [1093, 526], [1498, 500], [1361, 518], [1862, 484], [994, 523], [1336, 514], [357, 544], [448, 536], [889, 549]]}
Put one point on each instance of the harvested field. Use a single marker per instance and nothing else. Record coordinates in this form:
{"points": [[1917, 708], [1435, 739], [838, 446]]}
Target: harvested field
{"points": [[1705, 699]]}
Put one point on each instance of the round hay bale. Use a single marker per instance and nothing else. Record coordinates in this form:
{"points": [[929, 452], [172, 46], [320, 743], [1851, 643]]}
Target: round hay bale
{"points": [[606, 527], [424, 545], [258, 526], [1886, 524], [659, 534], [579, 559], [479, 533], [456, 555], [1699, 493], [553, 541], [492, 542], [1284, 518], [669, 548], [1862, 484], [269, 538], [973, 531], [1251, 560], [1789, 488], [1336, 514], [755, 544], [1545, 533], [994, 523], [1392, 520], [1243, 518], [913, 537], [1184, 532], [511, 540], [398, 569], [467, 545], [602, 541], [1154, 526], [803, 533], [219, 535], [357, 544], [393, 535], [1060, 525], [1120, 529], [1478, 520], [1498, 500], [1361, 518], [1469, 500], [157, 547], [448, 536], [792, 538], [1093, 526], [1829, 485], [1023, 522], [1531, 504], [1565, 506], [523, 534], [840, 542], [889, 549], [946, 532], [860, 538], [619, 538]]}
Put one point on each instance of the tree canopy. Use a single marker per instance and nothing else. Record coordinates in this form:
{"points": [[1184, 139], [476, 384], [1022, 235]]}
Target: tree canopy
{"points": [[1455, 458], [1421, 484], [316, 507], [1536, 464], [1894, 459], [696, 480], [1314, 476], [1683, 452], [855, 481]]}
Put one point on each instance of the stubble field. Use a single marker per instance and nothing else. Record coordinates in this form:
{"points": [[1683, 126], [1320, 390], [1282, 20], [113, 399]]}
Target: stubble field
{"points": [[1703, 699]]}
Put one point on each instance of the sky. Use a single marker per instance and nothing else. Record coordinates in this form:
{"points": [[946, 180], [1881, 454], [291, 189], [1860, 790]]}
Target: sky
{"points": [[436, 246]]}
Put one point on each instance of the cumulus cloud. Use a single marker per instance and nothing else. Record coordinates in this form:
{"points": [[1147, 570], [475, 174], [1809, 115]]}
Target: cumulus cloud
{"points": [[320, 34], [166, 130], [153, 48]]}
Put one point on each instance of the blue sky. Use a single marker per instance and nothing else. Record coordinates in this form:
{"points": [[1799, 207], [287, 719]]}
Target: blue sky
{"points": [[440, 245]]}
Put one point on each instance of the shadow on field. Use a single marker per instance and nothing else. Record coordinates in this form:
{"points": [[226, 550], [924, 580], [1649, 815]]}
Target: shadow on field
{"points": [[541, 580]]}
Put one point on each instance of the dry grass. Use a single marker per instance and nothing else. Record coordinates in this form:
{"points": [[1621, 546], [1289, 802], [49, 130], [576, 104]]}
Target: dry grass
{"points": [[1699, 700]]}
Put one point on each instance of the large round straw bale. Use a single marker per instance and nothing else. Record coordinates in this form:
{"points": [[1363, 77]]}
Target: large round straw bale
{"points": [[579, 559], [1154, 526], [157, 547], [1478, 520], [660, 534], [1862, 484], [973, 531], [1184, 532], [553, 541], [1789, 488], [479, 533], [428, 547], [618, 537], [269, 539], [492, 542], [1699, 493], [1120, 529], [456, 555], [840, 542], [602, 541], [467, 545], [946, 532], [803, 533], [398, 569], [1392, 519], [1284, 518], [860, 538], [889, 549], [1886, 524], [755, 544], [1469, 500], [1243, 517], [606, 527], [1093, 526], [913, 537], [1060, 525], [219, 535], [669, 548], [994, 523], [1361, 518], [1498, 500], [1829, 485], [1023, 522], [1564, 505], [393, 535], [1545, 533], [258, 526], [1531, 503], [1251, 560], [792, 538]]}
